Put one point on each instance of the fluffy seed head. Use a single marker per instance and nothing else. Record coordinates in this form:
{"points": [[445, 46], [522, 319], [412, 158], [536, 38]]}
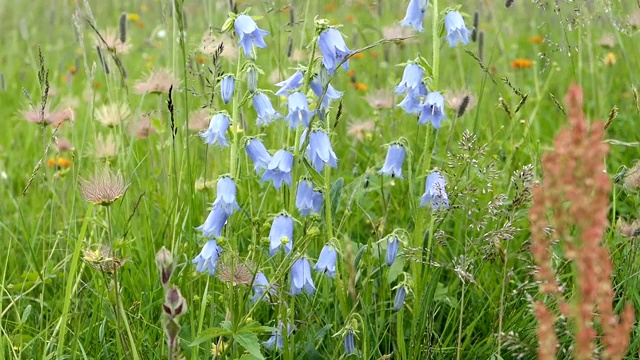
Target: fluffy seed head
{"points": [[103, 188]]}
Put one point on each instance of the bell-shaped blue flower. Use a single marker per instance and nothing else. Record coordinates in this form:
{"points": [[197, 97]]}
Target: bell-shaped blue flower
{"points": [[249, 33], [349, 343], [393, 163], [432, 110], [260, 287], [298, 110], [411, 104], [304, 197], [258, 154], [208, 257], [319, 151], [279, 169], [331, 94], [456, 29], [266, 112], [291, 84], [318, 198], [301, 277], [392, 250], [327, 261], [276, 340], [214, 223], [412, 81], [434, 192], [227, 85], [398, 300], [415, 14], [226, 195], [216, 133], [281, 233], [333, 49]]}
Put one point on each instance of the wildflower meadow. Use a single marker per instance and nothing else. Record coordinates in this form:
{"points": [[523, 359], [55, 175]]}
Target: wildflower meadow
{"points": [[304, 179]]}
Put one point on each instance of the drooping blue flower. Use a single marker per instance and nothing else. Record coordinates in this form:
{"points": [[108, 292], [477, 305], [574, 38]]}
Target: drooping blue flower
{"points": [[393, 162], [277, 340], [415, 14], [327, 261], [412, 81], [266, 112], [208, 257], [398, 300], [258, 154], [260, 287], [432, 110], [333, 49], [298, 110], [279, 169], [456, 29], [331, 94], [301, 277], [291, 84], [226, 195], [227, 85], [281, 233], [318, 198], [392, 250], [214, 223], [411, 104], [319, 151], [304, 197], [249, 33], [216, 133], [349, 343], [434, 192]]}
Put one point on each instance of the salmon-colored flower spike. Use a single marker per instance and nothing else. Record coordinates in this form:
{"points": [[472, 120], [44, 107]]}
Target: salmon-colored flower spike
{"points": [[573, 199]]}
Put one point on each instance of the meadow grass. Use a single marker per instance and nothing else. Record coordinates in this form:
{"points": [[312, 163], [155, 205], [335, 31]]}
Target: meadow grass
{"points": [[80, 279]]}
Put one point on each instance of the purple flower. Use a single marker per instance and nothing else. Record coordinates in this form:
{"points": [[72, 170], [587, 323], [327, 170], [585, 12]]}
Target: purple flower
{"points": [[249, 33], [304, 197], [411, 104], [319, 150], [327, 261], [298, 110], [415, 14], [263, 107], [412, 81], [432, 110], [318, 198], [281, 233], [331, 94], [456, 29], [392, 250], [434, 192], [349, 343], [301, 277], [216, 133], [398, 300], [208, 257], [393, 163], [276, 338], [214, 223], [291, 84], [333, 49], [227, 85], [226, 195], [260, 287], [258, 154], [279, 169]]}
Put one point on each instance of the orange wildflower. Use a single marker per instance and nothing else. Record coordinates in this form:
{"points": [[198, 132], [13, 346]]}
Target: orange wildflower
{"points": [[537, 39], [72, 69], [521, 63], [358, 56], [360, 86], [610, 59], [62, 162]]}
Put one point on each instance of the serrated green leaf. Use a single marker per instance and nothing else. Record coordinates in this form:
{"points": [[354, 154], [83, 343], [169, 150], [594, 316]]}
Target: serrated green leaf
{"points": [[209, 334], [250, 342]]}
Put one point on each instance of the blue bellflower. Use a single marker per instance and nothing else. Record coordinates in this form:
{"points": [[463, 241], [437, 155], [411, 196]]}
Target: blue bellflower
{"points": [[432, 110], [260, 287], [298, 110], [415, 14], [208, 257], [279, 169], [304, 197], [327, 261], [276, 340], [266, 112], [227, 85], [258, 154], [456, 29], [216, 133], [319, 150], [412, 81], [392, 250], [434, 192], [249, 33], [301, 277], [214, 223], [317, 198], [393, 162], [411, 104], [333, 49], [291, 84], [226, 195], [349, 343], [331, 94], [398, 300], [281, 233]]}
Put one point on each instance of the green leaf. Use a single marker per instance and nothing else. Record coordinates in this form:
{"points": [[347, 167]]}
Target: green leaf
{"points": [[336, 191], [250, 342], [209, 334]]}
